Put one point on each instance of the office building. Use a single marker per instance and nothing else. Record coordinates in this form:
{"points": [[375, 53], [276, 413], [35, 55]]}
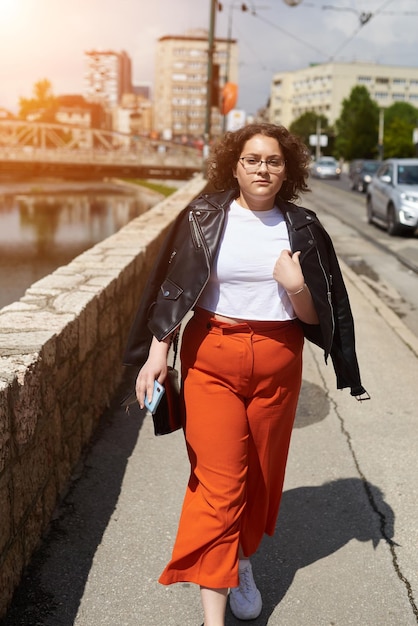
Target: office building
{"points": [[107, 77], [181, 83], [322, 88]]}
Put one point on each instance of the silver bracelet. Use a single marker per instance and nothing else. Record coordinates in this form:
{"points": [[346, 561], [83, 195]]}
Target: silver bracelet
{"points": [[295, 293]]}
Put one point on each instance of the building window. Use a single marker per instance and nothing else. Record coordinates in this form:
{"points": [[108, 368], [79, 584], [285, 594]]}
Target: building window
{"points": [[364, 79], [381, 80], [399, 81], [398, 96], [381, 95]]}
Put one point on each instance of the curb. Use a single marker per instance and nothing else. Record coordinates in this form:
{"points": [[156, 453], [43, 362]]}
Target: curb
{"points": [[392, 320]]}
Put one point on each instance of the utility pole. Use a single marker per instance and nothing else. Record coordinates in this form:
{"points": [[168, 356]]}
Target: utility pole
{"points": [[228, 55], [211, 48], [318, 139], [381, 133]]}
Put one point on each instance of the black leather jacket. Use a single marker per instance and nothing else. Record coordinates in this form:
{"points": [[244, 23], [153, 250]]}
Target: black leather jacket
{"points": [[182, 270]]}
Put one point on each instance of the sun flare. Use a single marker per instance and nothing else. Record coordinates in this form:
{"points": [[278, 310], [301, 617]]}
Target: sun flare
{"points": [[9, 9]]}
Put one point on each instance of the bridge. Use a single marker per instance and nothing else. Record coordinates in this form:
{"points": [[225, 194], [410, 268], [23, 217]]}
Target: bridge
{"points": [[40, 149]]}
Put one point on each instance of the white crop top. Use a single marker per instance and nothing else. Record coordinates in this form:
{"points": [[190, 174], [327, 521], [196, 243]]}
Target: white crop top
{"points": [[241, 284]]}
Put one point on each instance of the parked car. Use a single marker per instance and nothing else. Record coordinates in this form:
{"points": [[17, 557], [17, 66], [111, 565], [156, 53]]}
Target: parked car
{"points": [[361, 173], [392, 196], [325, 167]]}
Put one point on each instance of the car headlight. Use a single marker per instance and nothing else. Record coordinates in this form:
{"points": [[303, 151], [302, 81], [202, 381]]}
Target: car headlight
{"points": [[367, 178], [409, 198]]}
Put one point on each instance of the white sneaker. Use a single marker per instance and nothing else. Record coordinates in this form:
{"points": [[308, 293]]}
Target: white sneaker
{"points": [[245, 600]]}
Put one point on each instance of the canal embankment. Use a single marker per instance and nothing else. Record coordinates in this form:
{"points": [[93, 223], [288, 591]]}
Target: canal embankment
{"points": [[44, 224], [60, 347]]}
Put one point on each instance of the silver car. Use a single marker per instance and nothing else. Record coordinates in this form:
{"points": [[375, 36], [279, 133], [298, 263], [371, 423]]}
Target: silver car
{"points": [[392, 196], [325, 167], [361, 173]]}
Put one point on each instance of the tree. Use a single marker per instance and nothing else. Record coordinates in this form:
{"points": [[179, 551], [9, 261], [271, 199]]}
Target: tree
{"points": [[357, 127], [42, 104], [306, 125], [400, 120]]}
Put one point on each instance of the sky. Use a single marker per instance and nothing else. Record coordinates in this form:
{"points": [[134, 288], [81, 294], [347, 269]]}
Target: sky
{"points": [[47, 38]]}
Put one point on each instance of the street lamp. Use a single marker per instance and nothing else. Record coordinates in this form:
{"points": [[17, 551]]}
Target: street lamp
{"points": [[214, 4], [232, 6]]}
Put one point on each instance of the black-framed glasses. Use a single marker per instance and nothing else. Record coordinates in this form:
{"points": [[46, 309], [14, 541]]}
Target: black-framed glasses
{"points": [[251, 164]]}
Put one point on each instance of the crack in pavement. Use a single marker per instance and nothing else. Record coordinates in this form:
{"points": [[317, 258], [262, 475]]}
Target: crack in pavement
{"points": [[382, 519]]}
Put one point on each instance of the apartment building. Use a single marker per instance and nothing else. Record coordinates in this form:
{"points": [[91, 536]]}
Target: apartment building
{"points": [[180, 86], [322, 88], [133, 115], [108, 75]]}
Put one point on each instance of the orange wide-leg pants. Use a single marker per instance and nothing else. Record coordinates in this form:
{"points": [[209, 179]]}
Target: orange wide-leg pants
{"points": [[241, 385]]}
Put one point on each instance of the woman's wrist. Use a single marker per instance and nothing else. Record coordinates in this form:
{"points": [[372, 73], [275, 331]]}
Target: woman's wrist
{"points": [[297, 292]]}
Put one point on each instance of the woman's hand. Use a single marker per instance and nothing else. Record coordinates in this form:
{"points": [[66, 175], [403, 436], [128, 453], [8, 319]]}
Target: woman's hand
{"points": [[154, 368], [288, 272]]}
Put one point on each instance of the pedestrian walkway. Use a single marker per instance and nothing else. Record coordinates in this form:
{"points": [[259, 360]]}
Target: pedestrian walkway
{"points": [[345, 551]]}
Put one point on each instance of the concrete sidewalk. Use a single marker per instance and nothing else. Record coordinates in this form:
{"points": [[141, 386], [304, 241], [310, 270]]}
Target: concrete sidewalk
{"points": [[345, 551]]}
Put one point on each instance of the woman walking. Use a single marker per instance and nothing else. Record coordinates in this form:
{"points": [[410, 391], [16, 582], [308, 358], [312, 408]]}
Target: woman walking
{"points": [[260, 274]]}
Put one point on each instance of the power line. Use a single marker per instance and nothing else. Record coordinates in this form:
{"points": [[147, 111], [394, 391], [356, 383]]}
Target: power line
{"points": [[366, 18], [261, 64], [285, 32]]}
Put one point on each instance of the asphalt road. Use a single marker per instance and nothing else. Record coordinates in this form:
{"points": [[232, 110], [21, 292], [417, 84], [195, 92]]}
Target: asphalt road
{"points": [[388, 264]]}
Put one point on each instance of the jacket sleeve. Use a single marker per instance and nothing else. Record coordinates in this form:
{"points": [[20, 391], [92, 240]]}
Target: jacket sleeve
{"points": [[343, 351], [140, 336]]}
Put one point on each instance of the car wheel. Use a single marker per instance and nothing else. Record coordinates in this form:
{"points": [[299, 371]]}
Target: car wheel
{"points": [[370, 214], [393, 226]]}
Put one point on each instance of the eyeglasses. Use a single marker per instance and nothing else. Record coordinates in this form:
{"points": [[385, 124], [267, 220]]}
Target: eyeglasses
{"points": [[252, 164]]}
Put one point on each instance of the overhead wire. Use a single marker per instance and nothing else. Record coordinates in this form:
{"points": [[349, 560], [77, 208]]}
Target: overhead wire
{"points": [[364, 18], [251, 9], [285, 32], [363, 22]]}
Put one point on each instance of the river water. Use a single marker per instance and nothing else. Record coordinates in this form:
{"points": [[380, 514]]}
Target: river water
{"points": [[46, 227]]}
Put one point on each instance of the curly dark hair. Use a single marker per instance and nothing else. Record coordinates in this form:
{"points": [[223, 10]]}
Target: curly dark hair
{"points": [[224, 156]]}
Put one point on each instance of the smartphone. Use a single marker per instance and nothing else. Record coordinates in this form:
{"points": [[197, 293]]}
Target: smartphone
{"points": [[156, 397]]}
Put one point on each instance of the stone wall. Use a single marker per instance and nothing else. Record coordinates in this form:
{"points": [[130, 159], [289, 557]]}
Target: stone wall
{"points": [[60, 363]]}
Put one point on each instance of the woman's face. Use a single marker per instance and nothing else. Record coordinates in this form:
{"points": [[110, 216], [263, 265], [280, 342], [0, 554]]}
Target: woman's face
{"points": [[258, 182]]}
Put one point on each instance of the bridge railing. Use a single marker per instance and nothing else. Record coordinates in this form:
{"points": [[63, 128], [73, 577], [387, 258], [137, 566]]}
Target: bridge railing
{"points": [[40, 142]]}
